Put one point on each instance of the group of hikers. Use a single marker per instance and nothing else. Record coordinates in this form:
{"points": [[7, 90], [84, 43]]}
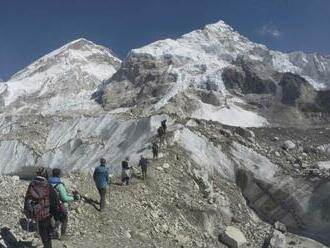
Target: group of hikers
{"points": [[47, 199], [47, 202]]}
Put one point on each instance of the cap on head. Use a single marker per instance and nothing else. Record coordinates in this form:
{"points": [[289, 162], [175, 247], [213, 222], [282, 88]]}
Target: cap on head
{"points": [[56, 172], [103, 161], [42, 172]]}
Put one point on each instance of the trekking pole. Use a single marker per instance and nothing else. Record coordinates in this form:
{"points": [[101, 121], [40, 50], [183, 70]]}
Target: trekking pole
{"points": [[109, 194], [27, 224]]}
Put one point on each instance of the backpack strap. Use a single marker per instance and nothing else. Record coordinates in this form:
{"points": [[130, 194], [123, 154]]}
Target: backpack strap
{"points": [[56, 185]]}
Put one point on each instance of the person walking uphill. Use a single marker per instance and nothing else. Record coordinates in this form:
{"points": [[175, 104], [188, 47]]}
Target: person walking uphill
{"points": [[65, 200], [144, 166], [101, 179], [164, 125], [40, 204], [126, 171], [155, 149]]}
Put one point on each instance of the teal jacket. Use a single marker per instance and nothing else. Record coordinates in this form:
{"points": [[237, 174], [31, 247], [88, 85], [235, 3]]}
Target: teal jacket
{"points": [[59, 186]]}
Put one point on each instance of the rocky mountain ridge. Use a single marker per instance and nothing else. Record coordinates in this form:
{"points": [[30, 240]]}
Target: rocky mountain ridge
{"points": [[164, 73]]}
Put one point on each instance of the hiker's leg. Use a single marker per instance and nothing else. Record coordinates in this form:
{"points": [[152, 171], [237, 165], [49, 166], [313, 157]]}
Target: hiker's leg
{"points": [[45, 232], [57, 228], [102, 201], [102, 193], [64, 225], [144, 173], [99, 190]]}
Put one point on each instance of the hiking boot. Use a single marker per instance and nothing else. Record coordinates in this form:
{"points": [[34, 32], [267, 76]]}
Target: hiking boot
{"points": [[57, 233]]}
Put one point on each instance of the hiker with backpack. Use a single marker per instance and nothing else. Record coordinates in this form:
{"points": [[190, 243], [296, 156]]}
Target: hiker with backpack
{"points": [[155, 149], [64, 200], [164, 125], [143, 163], [161, 132], [101, 179], [40, 204], [126, 171]]}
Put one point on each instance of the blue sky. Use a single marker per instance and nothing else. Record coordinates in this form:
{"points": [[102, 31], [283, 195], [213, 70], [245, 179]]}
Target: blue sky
{"points": [[30, 29]]}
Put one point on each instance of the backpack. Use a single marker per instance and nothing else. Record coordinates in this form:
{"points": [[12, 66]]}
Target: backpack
{"points": [[61, 212], [37, 202]]}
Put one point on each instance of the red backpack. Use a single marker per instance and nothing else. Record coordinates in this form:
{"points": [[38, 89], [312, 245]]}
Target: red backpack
{"points": [[37, 201]]}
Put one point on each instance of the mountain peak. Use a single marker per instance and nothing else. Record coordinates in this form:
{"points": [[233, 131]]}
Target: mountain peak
{"points": [[219, 26], [77, 51], [76, 68], [82, 39], [78, 43]]}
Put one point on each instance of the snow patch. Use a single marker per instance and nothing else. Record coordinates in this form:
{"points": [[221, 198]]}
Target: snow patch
{"points": [[232, 115], [204, 153]]}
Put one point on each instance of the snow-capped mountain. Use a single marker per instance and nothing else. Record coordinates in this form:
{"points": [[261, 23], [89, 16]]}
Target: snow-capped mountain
{"points": [[314, 67], [194, 66], [63, 80]]}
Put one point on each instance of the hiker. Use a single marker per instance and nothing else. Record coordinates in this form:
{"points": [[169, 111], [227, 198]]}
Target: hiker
{"points": [[164, 126], [40, 204], [126, 171], [154, 150], [144, 165], [161, 132], [65, 199], [101, 179]]}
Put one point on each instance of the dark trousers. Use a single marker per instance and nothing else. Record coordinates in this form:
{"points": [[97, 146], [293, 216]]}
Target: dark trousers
{"points": [[125, 180], [63, 222], [144, 172], [64, 225], [45, 230], [102, 192], [155, 153]]}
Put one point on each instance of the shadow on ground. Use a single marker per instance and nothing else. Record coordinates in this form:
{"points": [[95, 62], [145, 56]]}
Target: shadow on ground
{"points": [[11, 241]]}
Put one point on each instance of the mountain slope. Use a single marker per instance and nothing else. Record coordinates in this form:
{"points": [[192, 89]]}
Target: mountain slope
{"points": [[62, 80], [165, 73]]}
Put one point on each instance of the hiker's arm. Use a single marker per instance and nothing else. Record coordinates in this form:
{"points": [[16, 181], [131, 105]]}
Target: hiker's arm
{"points": [[65, 197], [107, 177]]}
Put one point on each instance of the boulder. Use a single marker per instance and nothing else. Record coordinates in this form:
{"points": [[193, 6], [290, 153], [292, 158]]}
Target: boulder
{"points": [[325, 165], [289, 145], [166, 166], [278, 240], [280, 227], [233, 237], [325, 148]]}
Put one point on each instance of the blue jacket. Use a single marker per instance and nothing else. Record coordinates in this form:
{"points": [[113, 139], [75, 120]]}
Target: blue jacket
{"points": [[101, 177]]}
